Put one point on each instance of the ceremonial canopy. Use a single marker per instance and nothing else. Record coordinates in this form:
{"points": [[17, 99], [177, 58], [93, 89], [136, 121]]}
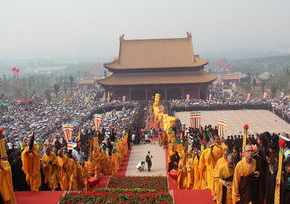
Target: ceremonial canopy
{"points": [[147, 66]]}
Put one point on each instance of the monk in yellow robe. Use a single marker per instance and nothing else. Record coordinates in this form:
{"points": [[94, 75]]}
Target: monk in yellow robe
{"points": [[31, 165], [71, 171], [50, 170], [246, 168], [80, 176], [217, 187], [207, 163], [197, 182], [63, 179], [225, 176], [190, 171], [90, 173], [181, 174], [6, 184]]}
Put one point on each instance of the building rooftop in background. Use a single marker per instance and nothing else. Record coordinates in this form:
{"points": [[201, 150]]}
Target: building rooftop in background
{"points": [[148, 66], [156, 53]]}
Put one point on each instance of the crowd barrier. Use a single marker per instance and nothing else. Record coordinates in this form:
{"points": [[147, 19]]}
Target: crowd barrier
{"points": [[215, 107]]}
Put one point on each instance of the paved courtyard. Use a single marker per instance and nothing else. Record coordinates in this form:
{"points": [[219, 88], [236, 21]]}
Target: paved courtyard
{"points": [[139, 152], [258, 120]]}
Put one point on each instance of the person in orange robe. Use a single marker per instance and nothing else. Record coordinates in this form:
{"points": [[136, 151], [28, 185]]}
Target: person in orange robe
{"points": [[190, 171], [71, 171], [6, 184], [50, 170], [62, 167], [207, 163], [197, 181], [90, 172], [181, 174], [217, 186], [31, 165]]}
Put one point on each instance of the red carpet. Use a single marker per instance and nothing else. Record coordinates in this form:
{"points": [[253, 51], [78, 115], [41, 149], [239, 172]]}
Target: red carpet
{"points": [[123, 167], [187, 196], [103, 182], [43, 197], [192, 196]]}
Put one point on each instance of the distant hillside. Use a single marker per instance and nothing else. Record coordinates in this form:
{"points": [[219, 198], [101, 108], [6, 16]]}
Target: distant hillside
{"points": [[257, 65]]}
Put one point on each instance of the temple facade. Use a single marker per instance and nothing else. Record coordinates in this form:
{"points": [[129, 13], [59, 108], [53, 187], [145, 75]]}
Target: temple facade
{"points": [[148, 66]]}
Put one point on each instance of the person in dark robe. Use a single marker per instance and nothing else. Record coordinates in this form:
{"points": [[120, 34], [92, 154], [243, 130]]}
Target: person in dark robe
{"points": [[18, 176], [245, 187], [109, 146], [271, 173], [148, 160], [113, 135], [236, 155], [174, 160], [99, 137], [285, 185], [262, 165]]}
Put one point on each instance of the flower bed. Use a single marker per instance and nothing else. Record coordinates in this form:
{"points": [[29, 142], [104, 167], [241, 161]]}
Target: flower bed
{"points": [[158, 183], [116, 196]]}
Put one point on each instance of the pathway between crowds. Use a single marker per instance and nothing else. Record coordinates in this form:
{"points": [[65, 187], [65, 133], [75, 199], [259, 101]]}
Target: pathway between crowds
{"points": [[138, 153]]}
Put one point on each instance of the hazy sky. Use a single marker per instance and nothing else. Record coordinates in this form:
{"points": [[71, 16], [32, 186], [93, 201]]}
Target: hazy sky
{"points": [[91, 28]]}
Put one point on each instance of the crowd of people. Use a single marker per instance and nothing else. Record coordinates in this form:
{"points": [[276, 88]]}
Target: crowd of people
{"points": [[46, 119], [35, 155], [200, 159]]}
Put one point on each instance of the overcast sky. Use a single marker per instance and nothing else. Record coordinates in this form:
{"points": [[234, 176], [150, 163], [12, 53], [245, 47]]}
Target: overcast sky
{"points": [[91, 28]]}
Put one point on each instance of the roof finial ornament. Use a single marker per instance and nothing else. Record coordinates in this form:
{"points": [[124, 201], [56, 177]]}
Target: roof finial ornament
{"points": [[188, 35], [122, 37]]}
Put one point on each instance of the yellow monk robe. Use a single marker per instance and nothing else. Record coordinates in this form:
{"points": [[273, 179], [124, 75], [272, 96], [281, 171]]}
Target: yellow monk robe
{"points": [[6, 185], [190, 173], [202, 169], [243, 168], [31, 167], [114, 162], [196, 184], [217, 186], [62, 175], [72, 173], [90, 172], [3, 153], [208, 160], [81, 177], [181, 174], [225, 172], [50, 170]]}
